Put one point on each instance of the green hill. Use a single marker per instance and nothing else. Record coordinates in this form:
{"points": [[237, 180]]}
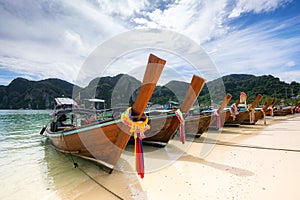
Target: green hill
{"points": [[117, 90], [267, 85], [174, 91], [22, 93]]}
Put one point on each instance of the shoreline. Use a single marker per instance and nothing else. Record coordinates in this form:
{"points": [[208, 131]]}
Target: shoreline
{"points": [[247, 162]]}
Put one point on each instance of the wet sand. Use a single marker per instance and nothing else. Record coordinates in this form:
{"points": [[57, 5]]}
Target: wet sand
{"points": [[247, 162]]}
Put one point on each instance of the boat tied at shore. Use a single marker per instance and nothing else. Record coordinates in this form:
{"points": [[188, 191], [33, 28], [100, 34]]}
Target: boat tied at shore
{"points": [[241, 112], [199, 123], [100, 141], [165, 123]]}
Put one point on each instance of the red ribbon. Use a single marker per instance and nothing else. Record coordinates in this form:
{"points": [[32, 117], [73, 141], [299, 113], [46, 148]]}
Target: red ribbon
{"points": [[271, 112], [139, 157], [182, 129]]}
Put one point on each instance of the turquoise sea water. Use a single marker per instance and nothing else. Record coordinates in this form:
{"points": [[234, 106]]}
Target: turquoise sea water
{"points": [[22, 152], [29, 167]]}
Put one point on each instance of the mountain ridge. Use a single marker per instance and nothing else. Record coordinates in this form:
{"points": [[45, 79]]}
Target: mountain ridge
{"points": [[23, 93]]}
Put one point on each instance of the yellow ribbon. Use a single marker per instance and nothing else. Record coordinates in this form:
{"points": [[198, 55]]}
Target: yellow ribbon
{"points": [[135, 127]]}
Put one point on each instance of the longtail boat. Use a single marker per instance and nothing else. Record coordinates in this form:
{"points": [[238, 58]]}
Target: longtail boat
{"points": [[224, 114], [235, 118], [164, 126], [270, 111], [199, 124], [283, 110], [259, 113], [232, 114], [103, 141], [297, 108], [244, 112], [265, 109]]}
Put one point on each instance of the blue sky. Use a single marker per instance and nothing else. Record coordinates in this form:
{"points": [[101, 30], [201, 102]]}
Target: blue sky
{"points": [[52, 39]]}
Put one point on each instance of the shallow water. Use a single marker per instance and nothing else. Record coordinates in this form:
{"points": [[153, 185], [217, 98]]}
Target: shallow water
{"points": [[29, 167]]}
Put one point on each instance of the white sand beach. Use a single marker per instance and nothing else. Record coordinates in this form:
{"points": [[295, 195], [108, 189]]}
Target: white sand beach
{"points": [[247, 162]]}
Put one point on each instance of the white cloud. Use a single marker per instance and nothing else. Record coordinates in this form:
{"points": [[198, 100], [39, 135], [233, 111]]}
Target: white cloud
{"points": [[246, 6], [53, 38], [289, 76], [290, 64], [255, 50], [123, 9], [200, 20]]}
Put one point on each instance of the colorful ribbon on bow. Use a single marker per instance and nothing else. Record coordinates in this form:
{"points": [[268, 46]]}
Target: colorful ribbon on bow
{"points": [[251, 115], [271, 112], [234, 111], [139, 156], [137, 129], [243, 97], [182, 122]]}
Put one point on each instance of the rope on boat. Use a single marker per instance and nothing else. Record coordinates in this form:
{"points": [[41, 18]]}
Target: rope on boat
{"points": [[101, 185], [257, 147], [76, 166], [233, 111], [137, 128], [249, 146], [74, 163], [251, 115], [182, 126], [271, 112]]}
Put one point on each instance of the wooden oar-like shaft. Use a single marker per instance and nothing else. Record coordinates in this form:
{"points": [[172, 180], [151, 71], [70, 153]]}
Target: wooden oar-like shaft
{"points": [[153, 71], [237, 102], [268, 104], [224, 103], [193, 92], [256, 101], [274, 104]]}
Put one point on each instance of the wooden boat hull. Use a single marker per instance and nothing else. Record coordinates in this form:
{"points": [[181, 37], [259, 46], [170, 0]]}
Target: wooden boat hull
{"points": [[283, 112], [280, 113], [165, 126], [198, 124], [297, 109], [102, 143], [239, 118], [162, 128], [223, 118], [258, 115], [269, 113]]}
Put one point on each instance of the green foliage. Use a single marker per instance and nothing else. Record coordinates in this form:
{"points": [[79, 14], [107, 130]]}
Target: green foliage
{"points": [[266, 85], [22, 93]]}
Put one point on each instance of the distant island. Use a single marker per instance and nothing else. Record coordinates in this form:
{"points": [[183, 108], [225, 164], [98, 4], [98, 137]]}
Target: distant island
{"points": [[26, 94]]}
